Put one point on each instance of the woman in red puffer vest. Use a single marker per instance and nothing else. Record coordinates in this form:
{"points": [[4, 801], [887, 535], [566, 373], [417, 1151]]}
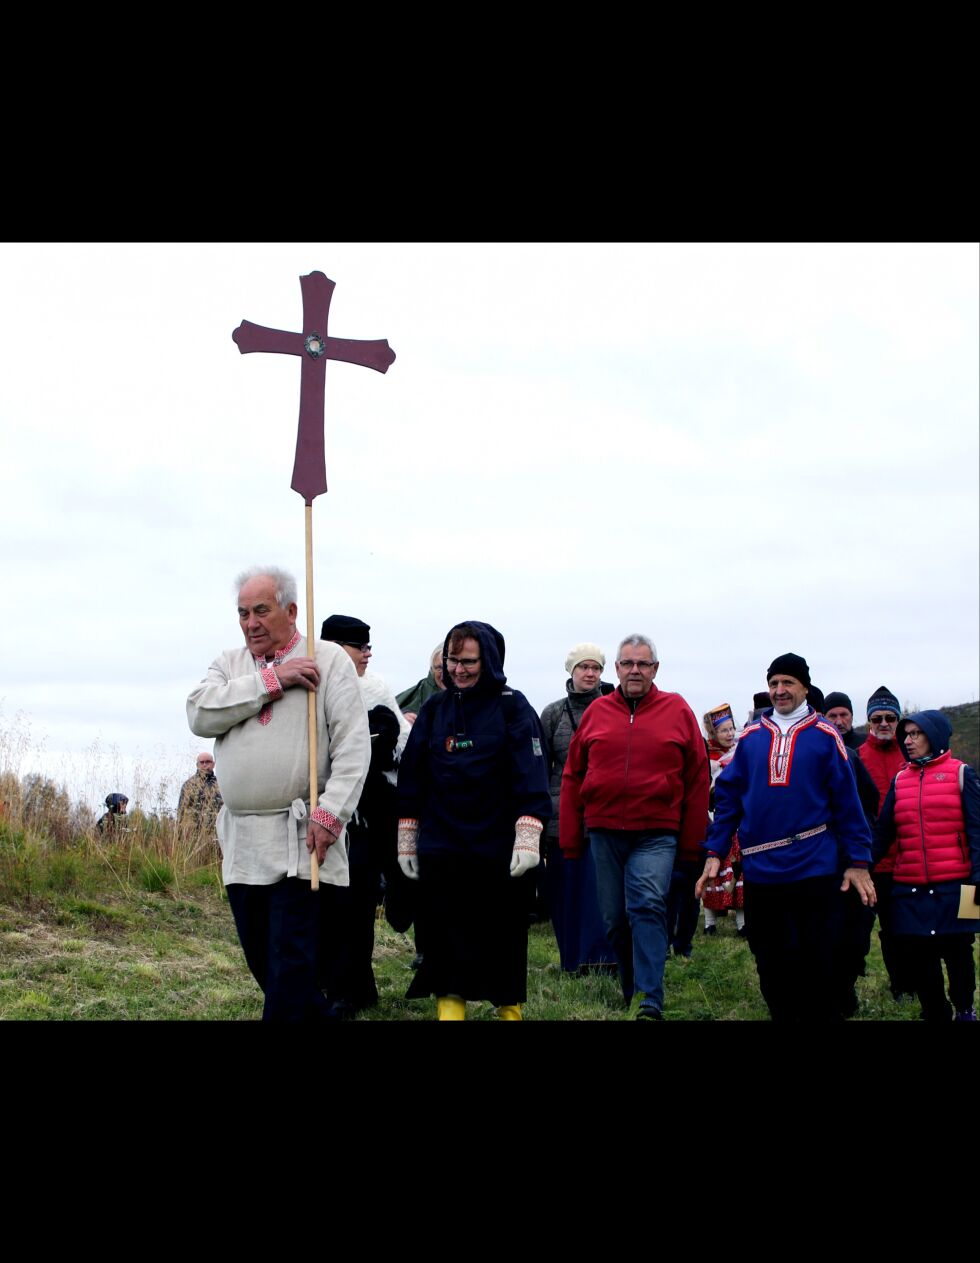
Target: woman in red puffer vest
{"points": [[932, 814]]}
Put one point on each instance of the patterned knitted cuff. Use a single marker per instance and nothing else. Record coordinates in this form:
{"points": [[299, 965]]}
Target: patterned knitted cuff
{"points": [[526, 834], [408, 837], [329, 821], [271, 682]]}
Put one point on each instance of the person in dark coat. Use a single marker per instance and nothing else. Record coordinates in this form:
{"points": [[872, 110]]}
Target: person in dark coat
{"points": [[838, 709], [109, 823], [348, 913], [571, 885], [857, 919], [473, 798]]}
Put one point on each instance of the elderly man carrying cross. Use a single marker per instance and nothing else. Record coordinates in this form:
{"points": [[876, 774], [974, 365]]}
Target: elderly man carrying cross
{"points": [[253, 702]]}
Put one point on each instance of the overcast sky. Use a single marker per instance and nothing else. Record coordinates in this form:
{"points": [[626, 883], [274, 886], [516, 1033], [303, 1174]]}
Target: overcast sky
{"points": [[738, 450]]}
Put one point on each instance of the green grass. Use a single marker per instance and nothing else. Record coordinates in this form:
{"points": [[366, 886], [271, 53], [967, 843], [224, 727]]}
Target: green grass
{"points": [[90, 937]]}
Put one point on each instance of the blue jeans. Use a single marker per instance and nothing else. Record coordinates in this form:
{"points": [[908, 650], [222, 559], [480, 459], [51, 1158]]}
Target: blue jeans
{"points": [[633, 868]]}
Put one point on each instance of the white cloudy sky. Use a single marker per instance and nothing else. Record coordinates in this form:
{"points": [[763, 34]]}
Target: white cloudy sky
{"points": [[740, 450]]}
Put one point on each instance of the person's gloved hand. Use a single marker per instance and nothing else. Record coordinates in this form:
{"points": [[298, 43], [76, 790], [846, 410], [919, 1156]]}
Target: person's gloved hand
{"points": [[526, 845]]}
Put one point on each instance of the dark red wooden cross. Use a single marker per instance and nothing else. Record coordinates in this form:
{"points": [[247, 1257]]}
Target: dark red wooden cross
{"points": [[313, 344]]}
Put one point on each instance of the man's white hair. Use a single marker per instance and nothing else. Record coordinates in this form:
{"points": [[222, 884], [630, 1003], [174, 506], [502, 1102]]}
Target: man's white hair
{"points": [[284, 581], [636, 640]]}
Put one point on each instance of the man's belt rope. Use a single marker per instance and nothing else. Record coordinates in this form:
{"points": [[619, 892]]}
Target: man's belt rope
{"points": [[771, 846]]}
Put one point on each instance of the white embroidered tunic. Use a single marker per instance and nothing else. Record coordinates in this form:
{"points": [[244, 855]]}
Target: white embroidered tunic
{"points": [[262, 760]]}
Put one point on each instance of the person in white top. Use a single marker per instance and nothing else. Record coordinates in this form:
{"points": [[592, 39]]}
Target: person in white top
{"points": [[253, 703]]}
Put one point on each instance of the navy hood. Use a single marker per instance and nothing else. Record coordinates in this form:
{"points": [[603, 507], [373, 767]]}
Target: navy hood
{"points": [[934, 724], [491, 655]]}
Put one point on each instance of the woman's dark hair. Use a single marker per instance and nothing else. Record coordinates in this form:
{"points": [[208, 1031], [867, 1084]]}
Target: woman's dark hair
{"points": [[461, 632]]}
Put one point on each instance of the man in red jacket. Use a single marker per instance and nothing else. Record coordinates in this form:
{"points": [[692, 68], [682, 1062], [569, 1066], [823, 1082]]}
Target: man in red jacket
{"points": [[883, 756], [636, 779]]}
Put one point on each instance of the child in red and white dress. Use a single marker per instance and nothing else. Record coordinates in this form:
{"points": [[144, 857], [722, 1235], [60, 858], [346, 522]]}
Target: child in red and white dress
{"points": [[726, 890]]}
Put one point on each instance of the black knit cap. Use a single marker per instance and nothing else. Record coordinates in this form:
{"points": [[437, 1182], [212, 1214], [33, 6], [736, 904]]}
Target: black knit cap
{"points": [[883, 699], [342, 627], [817, 700], [790, 664], [839, 699]]}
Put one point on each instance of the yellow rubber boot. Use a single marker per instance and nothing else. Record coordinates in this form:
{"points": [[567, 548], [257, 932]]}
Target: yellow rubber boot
{"points": [[450, 1008], [510, 1013]]}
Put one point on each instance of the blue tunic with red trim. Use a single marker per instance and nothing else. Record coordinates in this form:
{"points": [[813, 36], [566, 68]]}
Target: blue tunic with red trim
{"points": [[778, 787]]}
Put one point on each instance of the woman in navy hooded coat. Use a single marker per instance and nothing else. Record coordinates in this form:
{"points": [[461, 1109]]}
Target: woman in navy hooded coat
{"points": [[473, 797]]}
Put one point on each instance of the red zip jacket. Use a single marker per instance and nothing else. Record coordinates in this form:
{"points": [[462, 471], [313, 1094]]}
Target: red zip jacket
{"points": [[635, 770], [883, 759]]}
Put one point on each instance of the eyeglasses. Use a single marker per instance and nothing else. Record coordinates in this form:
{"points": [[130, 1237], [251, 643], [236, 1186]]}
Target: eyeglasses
{"points": [[350, 644], [468, 663], [629, 664], [588, 666], [912, 733], [883, 719]]}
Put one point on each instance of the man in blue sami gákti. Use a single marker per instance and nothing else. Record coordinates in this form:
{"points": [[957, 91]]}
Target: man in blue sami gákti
{"points": [[790, 795]]}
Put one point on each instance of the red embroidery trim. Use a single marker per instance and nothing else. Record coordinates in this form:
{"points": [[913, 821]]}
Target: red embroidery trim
{"points": [[319, 815], [271, 680], [782, 746], [281, 653]]}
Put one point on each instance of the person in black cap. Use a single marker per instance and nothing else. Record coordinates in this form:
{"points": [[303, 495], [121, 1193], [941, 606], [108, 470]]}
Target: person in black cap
{"points": [[348, 913], [790, 795], [117, 804], [351, 633], [840, 712]]}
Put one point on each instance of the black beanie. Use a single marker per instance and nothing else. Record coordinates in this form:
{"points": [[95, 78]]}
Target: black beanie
{"points": [[343, 627], [839, 699], [790, 664]]}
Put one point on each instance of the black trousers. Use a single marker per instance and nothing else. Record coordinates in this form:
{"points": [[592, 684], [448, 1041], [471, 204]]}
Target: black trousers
{"points": [[475, 919], [851, 950], [347, 917], [894, 949], [278, 926], [683, 908], [926, 955], [793, 930]]}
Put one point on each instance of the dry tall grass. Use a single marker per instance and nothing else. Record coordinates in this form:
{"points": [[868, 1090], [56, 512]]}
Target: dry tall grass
{"points": [[148, 846]]}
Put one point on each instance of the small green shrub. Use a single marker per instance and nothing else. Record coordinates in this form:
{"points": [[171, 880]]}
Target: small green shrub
{"points": [[154, 874]]}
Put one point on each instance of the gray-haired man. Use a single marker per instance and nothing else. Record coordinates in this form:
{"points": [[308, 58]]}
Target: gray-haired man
{"points": [[253, 702], [636, 779]]}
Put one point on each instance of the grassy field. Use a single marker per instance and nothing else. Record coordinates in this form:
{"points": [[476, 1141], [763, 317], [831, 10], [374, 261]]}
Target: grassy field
{"points": [[94, 931]]}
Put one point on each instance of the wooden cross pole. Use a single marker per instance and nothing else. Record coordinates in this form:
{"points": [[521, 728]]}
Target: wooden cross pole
{"points": [[309, 468]]}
